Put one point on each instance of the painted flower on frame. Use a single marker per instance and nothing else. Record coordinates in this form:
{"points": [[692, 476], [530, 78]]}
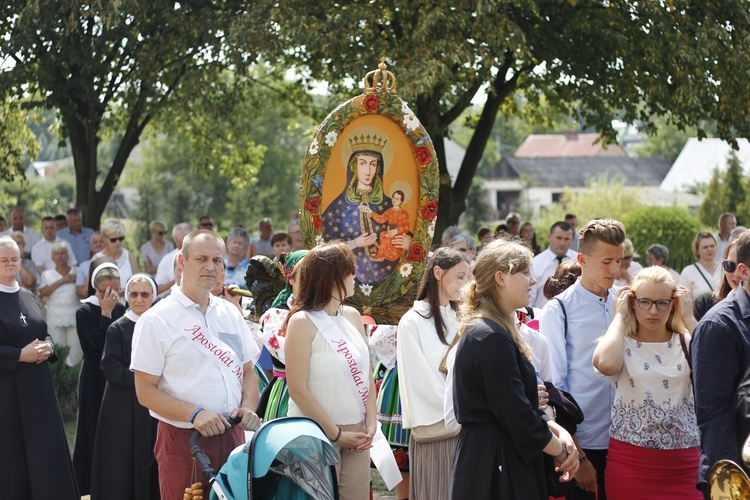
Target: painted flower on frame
{"points": [[416, 253], [371, 103], [313, 147], [410, 122], [423, 155], [429, 210], [366, 289], [331, 138], [318, 181], [405, 270], [431, 229], [317, 223], [313, 205], [319, 240]]}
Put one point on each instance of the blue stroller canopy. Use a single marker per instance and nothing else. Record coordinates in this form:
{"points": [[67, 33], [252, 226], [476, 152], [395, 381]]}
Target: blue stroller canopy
{"points": [[295, 450]]}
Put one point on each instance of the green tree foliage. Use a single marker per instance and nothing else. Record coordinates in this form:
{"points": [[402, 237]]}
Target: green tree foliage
{"points": [[39, 196], [113, 65], [17, 140], [672, 227], [608, 59], [602, 198], [726, 192], [667, 140], [479, 212]]}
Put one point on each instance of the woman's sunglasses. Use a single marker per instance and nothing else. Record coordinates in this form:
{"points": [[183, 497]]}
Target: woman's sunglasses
{"points": [[729, 266], [114, 240]]}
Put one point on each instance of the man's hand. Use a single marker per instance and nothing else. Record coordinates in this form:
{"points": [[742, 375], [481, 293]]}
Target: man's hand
{"points": [[250, 421], [209, 423], [586, 476]]}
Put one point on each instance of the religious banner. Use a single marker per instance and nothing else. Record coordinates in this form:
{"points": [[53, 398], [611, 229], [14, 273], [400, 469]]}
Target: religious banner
{"points": [[370, 178]]}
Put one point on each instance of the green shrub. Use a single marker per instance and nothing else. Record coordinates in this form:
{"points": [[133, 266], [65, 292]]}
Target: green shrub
{"points": [[65, 380], [672, 227]]}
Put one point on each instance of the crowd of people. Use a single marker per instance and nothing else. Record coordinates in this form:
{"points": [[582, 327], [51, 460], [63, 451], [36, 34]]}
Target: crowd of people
{"points": [[519, 372]]}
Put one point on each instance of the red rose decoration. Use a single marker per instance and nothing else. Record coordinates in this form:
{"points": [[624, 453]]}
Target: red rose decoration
{"points": [[371, 103], [429, 211], [416, 253], [312, 205], [423, 155], [317, 223]]}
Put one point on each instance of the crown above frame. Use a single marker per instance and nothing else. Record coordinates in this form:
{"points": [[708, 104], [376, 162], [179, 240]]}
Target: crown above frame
{"points": [[380, 80]]}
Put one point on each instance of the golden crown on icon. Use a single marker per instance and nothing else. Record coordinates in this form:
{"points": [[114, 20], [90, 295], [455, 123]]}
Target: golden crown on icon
{"points": [[367, 143]]}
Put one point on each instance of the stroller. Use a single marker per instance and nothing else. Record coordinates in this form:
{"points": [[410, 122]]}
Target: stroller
{"points": [[287, 458]]}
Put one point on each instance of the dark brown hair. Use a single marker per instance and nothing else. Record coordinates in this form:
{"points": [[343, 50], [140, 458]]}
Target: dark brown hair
{"points": [[566, 274], [322, 271], [724, 288], [445, 258]]}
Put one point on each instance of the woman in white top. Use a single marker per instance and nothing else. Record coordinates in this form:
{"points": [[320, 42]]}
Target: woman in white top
{"points": [[328, 364], [114, 236], [58, 290], [705, 274], [156, 248], [425, 334], [654, 438]]}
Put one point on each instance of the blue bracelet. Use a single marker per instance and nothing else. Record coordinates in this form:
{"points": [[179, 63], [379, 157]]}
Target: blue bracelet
{"points": [[195, 413]]}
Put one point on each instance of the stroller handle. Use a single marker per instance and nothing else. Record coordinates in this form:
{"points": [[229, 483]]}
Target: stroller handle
{"points": [[207, 472]]}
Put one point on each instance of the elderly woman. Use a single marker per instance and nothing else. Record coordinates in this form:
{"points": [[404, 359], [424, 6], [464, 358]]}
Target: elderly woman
{"points": [[653, 448], [114, 236], [154, 249], [58, 290], [27, 274], [628, 267], [93, 319], [37, 460], [465, 244], [705, 274], [124, 465], [658, 255], [238, 241]]}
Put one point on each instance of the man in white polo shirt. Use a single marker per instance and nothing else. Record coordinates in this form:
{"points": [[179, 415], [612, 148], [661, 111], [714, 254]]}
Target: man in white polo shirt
{"points": [[193, 357], [545, 264]]}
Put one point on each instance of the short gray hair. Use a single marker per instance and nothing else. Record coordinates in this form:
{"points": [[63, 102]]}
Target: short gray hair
{"points": [[19, 235], [7, 242], [660, 252], [59, 245], [112, 226], [239, 232], [463, 238]]}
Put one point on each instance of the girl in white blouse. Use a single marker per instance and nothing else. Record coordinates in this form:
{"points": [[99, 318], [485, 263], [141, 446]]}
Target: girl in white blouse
{"points": [[654, 438], [425, 333]]}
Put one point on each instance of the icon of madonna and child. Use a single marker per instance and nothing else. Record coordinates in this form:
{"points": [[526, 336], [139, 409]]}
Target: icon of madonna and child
{"points": [[375, 226]]}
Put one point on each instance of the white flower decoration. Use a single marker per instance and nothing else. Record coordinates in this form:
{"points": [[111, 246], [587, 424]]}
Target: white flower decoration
{"points": [[331, 138], [411, 122], [405, 270], [366, 289], [313, 147], [431, 229], [405, 108], [319, 240]]}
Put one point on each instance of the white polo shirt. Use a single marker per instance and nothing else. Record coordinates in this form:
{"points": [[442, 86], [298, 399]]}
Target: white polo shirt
{"points": [[199, 358], [543, 266], [41, 253]]}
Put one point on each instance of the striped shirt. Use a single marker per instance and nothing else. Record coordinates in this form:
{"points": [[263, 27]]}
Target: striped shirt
{"points": [[589, 317]]}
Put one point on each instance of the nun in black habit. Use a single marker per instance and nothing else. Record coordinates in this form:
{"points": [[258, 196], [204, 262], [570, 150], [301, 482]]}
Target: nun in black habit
{"points": [[124, 467], [93, 319], [495, 394], [34, 455]]}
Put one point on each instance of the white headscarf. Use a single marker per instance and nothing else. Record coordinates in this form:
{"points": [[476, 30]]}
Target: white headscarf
{"points": [[93, 299]]}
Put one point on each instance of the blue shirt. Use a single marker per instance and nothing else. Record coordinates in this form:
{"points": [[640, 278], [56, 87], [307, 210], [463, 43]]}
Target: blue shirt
{"points": [[589, 316], [720, 350], [236, 275], [79, 243]]}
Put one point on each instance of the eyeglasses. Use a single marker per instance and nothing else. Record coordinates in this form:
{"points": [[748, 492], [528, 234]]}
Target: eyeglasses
{"points": [[162, 233], [661, 305], [134, 295], [729, 266], [206, 224], [115, 240]]}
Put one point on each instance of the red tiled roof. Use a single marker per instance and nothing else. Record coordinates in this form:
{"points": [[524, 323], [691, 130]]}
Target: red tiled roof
{"points": [[562, 145]]}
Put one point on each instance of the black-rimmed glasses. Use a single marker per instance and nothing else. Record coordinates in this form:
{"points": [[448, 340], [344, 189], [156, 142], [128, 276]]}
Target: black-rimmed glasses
{"points": [[661, 304], [729, 266]]}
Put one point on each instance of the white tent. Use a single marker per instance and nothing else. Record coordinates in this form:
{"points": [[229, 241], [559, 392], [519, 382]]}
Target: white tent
{"points": [[698, 159]]}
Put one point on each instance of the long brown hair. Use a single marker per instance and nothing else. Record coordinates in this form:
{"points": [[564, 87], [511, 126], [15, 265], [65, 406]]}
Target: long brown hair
{"points": [[724, 288], [429, 289], [483, 298], [322, 271]]}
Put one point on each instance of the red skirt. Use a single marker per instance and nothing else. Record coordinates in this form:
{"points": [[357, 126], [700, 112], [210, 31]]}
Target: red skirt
{"points": [[635, 472]]}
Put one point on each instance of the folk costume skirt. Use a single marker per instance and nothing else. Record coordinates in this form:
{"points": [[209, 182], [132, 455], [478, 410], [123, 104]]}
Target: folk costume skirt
{"points": [[390, 415], [635, 472]]}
